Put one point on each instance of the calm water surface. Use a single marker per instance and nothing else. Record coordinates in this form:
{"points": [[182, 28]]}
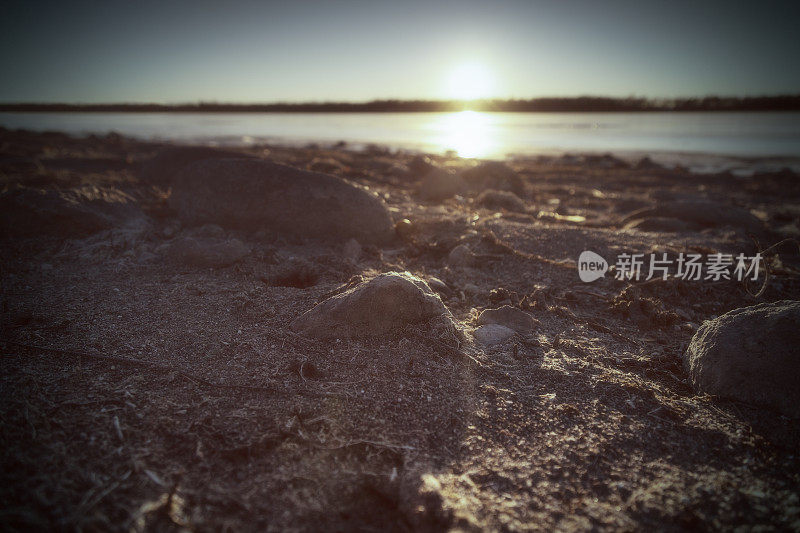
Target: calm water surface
{"points": [[470, 134]]}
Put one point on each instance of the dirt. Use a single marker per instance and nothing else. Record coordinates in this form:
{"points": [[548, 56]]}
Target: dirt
{"points": [[144, 393]]}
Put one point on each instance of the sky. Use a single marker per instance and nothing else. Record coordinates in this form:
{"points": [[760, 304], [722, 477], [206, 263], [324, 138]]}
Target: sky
{"points": [[176, 51]]}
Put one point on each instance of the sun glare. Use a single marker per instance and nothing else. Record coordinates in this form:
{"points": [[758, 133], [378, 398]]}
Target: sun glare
{"points": [[469, 81], [468, 133]]}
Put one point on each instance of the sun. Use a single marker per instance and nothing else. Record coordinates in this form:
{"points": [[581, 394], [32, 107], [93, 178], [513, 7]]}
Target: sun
{"points": [[470, 81]]}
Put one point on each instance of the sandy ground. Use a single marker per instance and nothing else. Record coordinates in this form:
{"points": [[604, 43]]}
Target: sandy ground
{"points": [[144, 394]]}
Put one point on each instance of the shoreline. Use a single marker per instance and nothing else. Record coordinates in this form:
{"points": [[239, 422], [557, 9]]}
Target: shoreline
{"points": [[701, 162]]}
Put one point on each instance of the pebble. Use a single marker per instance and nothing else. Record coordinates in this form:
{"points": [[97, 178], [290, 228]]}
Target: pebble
{"points": [[492, 334]]}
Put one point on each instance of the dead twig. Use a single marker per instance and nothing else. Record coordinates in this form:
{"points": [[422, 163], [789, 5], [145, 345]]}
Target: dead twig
{"points": [[376, 444], [603, 329], [763, 254], [495, 241]]}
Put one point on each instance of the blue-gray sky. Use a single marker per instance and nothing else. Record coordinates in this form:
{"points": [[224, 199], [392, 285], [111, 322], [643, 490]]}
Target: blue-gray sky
{"points": [[242, 51]]}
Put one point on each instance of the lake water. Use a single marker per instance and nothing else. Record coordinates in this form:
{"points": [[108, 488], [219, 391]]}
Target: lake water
{"points": [[773, 138]]}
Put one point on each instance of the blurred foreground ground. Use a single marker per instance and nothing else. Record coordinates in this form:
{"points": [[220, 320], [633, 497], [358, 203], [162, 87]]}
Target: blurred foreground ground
{"points": [[147, 389]]}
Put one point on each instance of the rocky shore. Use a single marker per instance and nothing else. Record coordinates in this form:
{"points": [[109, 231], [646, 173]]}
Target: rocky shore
{"points": [[324, 338]]}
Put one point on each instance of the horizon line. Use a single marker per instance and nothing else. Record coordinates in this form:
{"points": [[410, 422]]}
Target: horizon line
{"points": [[776, 102]]}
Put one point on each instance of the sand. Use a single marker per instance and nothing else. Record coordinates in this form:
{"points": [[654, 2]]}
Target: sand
{"points": [[148, 390]]}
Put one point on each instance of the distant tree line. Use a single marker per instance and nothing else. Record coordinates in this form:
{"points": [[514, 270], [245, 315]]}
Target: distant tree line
{"points": [[572, 104]]}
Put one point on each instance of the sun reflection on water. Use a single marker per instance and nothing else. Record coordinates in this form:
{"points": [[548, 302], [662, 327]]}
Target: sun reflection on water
{"points": [[468, 133]]}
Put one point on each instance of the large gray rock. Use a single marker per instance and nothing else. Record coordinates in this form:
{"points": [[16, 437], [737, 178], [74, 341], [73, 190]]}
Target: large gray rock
{"points": [[699, 214], [65, 213], [252, 195], [168, 163], [750, 354], [375, 308]]}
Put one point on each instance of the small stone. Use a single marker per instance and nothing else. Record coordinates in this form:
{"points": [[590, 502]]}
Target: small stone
{"points": [[352, 251], [170, 230], [511, 317], [440, 184], [404, 229], [507, 200], [207, 231], [438, 285], [491, 334], [646, 163], [375, 308], [327, 165], [499, 295], [471, 289], [658, 224], [204, 253], [494, 175], [460, 256], [294, 272], [421, 166]]}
